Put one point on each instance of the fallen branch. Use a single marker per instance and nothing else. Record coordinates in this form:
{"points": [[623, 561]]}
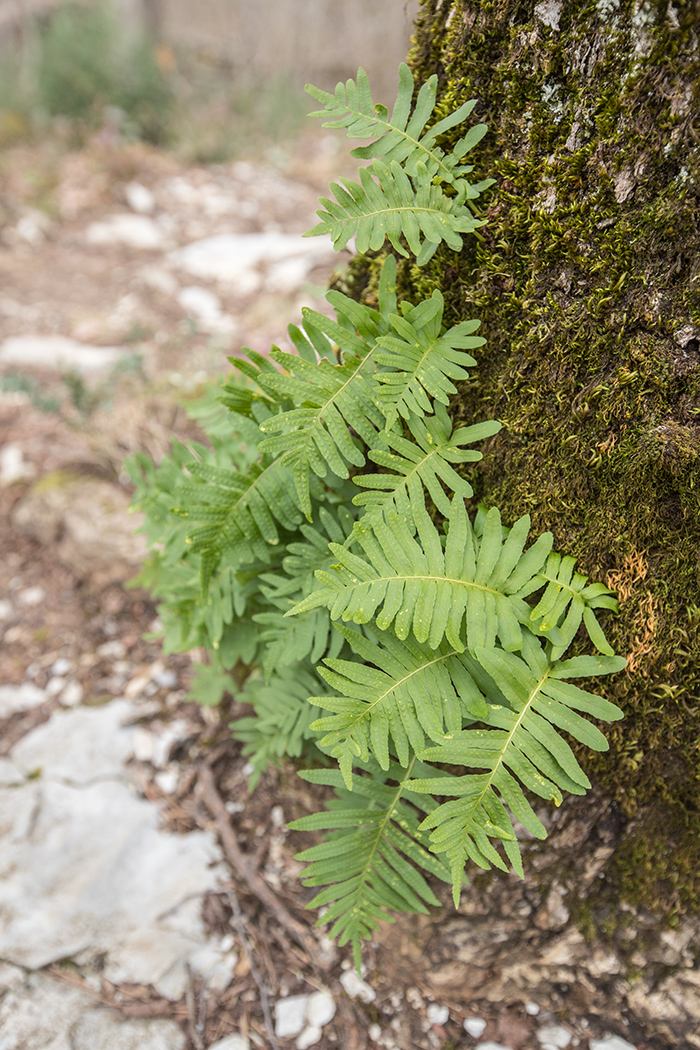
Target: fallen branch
{"points": [[245, 869]]}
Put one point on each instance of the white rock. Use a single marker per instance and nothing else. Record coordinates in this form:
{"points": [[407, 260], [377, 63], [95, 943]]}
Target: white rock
{"points": [[19, 698], [5, 609], [610, 1042], [213, 966], [532, 1009], [10, 776], [167, 780], [158, 279], [72, 694], [96, 873], [79, 746], [491, 1046], [438, 1014], [200, 303], [41, 1015], [321, 1009], [62, 666], [234, 258], [356, 988], [164, 739], [554, 1036], [10, 976], [101, 1030], [139, 198], [290, 1015], [474, 1026], [308, 1037], [374, 1032], [54, 685], [13, 466], [144, 741], [133, 231], [32, 596], [231, 1042], [57, 352]]}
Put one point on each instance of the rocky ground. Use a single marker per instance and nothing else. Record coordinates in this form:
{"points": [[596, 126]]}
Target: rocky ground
{"points": [[147, 900]]}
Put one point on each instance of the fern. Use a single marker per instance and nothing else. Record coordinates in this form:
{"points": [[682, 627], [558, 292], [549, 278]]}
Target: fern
{"points": [[427, 460], [449, 705], [402, 138], [376, 843], [527, 699]]}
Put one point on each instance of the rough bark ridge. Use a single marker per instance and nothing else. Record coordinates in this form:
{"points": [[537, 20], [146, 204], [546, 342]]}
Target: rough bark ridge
{"points": [[587, 280]]}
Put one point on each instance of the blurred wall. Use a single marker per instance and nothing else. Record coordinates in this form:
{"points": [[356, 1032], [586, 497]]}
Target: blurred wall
{"points": [[321, 41]]}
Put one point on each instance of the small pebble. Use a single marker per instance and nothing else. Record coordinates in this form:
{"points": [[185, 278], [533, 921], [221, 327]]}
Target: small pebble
{"points": [[5, 609], [165, 679], [474, 1026], [357, 988], [72, 694], [492, 1046], [32, 596], [54, 686], [374, 1032], [167, 780], [290, 1015], [438, 1014], [61, 666], [231, 1042], [611, 1042], [321, 1009], [308, 1037], [532, 1009], [554, 1037], [114, 650]]}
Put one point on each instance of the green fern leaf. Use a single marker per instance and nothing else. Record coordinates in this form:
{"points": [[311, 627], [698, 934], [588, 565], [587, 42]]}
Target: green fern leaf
{"points": [[527, 707], [374, 857], [387, 203], [419, 362], [400, 693], [402, 137], [243, 512], [281, 722], [315, 436], [415, 584], [427, 458]]}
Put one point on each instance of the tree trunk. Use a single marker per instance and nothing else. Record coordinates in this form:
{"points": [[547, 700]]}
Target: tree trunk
{"points": [[587, 281]]}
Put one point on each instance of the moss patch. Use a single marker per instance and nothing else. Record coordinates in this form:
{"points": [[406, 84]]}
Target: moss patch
{"points": [[587, 280]]}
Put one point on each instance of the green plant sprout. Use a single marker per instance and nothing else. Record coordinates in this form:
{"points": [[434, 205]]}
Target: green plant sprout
{"points": [[322, 547]]}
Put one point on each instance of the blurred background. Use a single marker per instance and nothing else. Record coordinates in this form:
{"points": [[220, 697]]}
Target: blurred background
{"points": [[202, 76]]}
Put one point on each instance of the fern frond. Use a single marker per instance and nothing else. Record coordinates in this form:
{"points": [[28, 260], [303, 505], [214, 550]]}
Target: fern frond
{"points": [[240, 513], [281, 719], [330, 399], [400, 692], [427, 459], [286, 641], [387, 203], [374, 857], [415, 584], [419, 360], [528, 704], [402, 137]]}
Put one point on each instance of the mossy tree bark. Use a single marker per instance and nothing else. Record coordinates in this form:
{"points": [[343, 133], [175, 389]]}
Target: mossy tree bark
{"points": [[587, 281]]}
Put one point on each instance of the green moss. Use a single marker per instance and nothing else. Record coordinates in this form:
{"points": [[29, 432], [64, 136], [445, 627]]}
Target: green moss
{"points": [[583, 276]]}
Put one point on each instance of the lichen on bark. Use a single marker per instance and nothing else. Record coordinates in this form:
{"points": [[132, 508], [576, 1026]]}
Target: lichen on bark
{"points": [[587, 281]]}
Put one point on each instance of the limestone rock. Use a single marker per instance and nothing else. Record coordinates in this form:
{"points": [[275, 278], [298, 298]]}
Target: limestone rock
{"points": [[79, 746], [57, 353], [101, 1030], [132, 231], [22, 697]]}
